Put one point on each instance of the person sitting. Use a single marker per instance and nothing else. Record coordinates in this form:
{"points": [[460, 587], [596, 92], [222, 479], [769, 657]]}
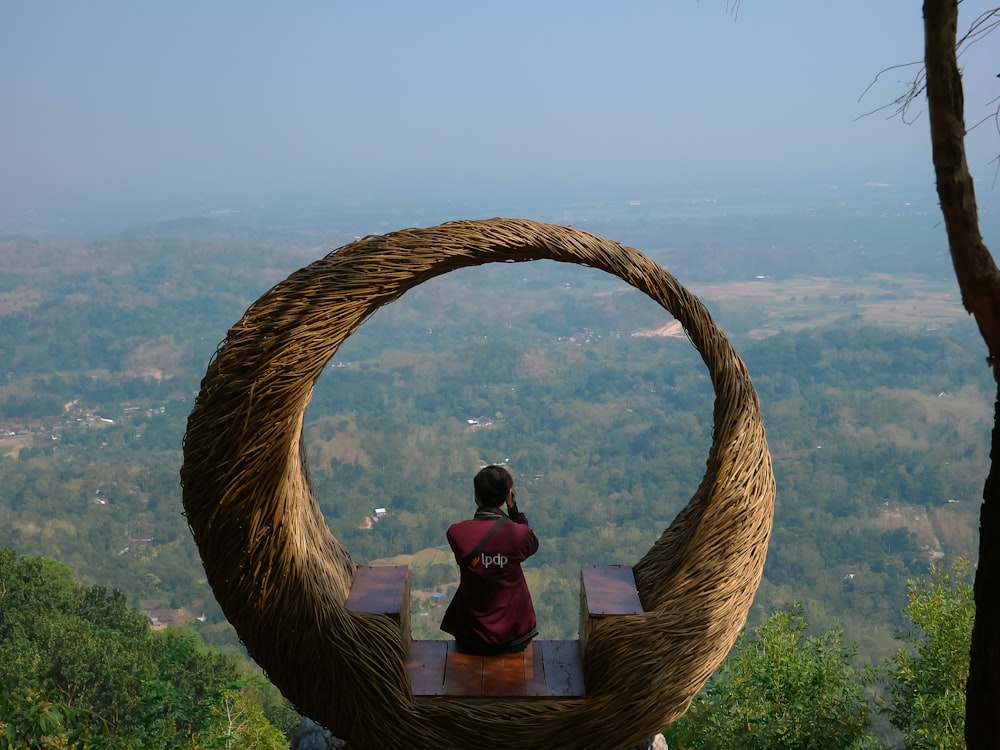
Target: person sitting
{"points": [[492, 612]]}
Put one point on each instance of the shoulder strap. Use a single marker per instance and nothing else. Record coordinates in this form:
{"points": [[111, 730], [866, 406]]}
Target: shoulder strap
{"points": [[482, 542]]}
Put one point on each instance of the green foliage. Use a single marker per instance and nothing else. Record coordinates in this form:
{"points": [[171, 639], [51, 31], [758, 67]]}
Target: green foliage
{"points": [[926, 678], [80, 666], [239, 723], [37, 719], [780, 690], [784, 689]]}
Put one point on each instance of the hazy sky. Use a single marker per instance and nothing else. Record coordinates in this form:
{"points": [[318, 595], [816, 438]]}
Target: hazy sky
{"points": [[178, 107]]}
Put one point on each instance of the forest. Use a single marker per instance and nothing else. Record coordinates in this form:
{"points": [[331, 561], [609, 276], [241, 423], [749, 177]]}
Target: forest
{"points": [[82, 668], [877, 414]]}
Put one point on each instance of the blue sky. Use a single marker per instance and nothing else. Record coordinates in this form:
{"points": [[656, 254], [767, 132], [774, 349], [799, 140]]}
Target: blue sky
{"points": [[180, 107]]}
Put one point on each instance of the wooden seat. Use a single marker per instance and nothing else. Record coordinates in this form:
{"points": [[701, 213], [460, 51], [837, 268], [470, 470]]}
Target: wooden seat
{"points": [[605, 591], [383, 590], [547, 669]]}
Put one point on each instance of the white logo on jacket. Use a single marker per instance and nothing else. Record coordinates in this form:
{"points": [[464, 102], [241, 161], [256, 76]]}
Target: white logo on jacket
{"points": [[497, 559]]}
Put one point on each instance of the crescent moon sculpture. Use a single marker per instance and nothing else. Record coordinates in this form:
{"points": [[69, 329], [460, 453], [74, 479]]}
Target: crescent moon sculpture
{"points": [[282, 578]]}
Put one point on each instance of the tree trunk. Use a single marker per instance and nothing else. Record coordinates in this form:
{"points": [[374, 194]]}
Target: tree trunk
{"points": [[979, 282]]}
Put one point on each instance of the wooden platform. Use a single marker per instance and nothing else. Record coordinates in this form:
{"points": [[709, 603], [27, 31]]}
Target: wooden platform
{"points": [[546, 669]]}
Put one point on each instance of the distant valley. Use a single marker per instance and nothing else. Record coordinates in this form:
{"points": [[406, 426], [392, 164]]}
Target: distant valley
{"points": [[872, 383]]}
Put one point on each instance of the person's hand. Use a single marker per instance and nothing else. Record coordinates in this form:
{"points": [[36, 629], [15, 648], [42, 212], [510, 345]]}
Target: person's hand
{"points": [[511, 499]]}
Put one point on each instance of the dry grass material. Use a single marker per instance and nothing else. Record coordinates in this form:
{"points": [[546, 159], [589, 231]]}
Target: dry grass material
{"points": [[282, 578]]}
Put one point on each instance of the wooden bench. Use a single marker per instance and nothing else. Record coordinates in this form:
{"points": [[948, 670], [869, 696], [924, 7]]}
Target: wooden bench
{"points": [[605, 591], [547, 669], [383, 590]]}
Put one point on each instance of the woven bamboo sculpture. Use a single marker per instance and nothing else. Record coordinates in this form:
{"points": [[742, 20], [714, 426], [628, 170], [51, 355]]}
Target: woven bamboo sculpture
{"points": [[282, 578]]}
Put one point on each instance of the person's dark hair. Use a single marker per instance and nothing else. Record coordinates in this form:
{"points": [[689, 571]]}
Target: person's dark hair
{"points": [[492, 484]]}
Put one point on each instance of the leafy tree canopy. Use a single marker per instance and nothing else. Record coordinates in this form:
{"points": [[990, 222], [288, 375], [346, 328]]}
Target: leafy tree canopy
{"points": [[80, 667], [780, 689], [927, 676]]}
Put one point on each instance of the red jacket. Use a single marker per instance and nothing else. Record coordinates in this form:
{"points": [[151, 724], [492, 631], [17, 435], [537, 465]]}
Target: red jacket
{"points": [[492, 607]]}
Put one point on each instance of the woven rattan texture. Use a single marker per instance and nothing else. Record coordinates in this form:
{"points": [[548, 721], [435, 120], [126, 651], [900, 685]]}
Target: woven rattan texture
{"points": [[282, 578]]}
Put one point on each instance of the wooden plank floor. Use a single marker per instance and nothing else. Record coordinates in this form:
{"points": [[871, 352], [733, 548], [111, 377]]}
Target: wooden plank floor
{"points": [[547, 669]]}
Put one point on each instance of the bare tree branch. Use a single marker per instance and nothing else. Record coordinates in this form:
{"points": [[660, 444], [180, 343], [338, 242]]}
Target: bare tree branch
{"points": [[901, 105], [984, 25]]}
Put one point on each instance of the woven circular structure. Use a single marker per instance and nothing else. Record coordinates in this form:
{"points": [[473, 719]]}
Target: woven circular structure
{"points": [[282, 578]]}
